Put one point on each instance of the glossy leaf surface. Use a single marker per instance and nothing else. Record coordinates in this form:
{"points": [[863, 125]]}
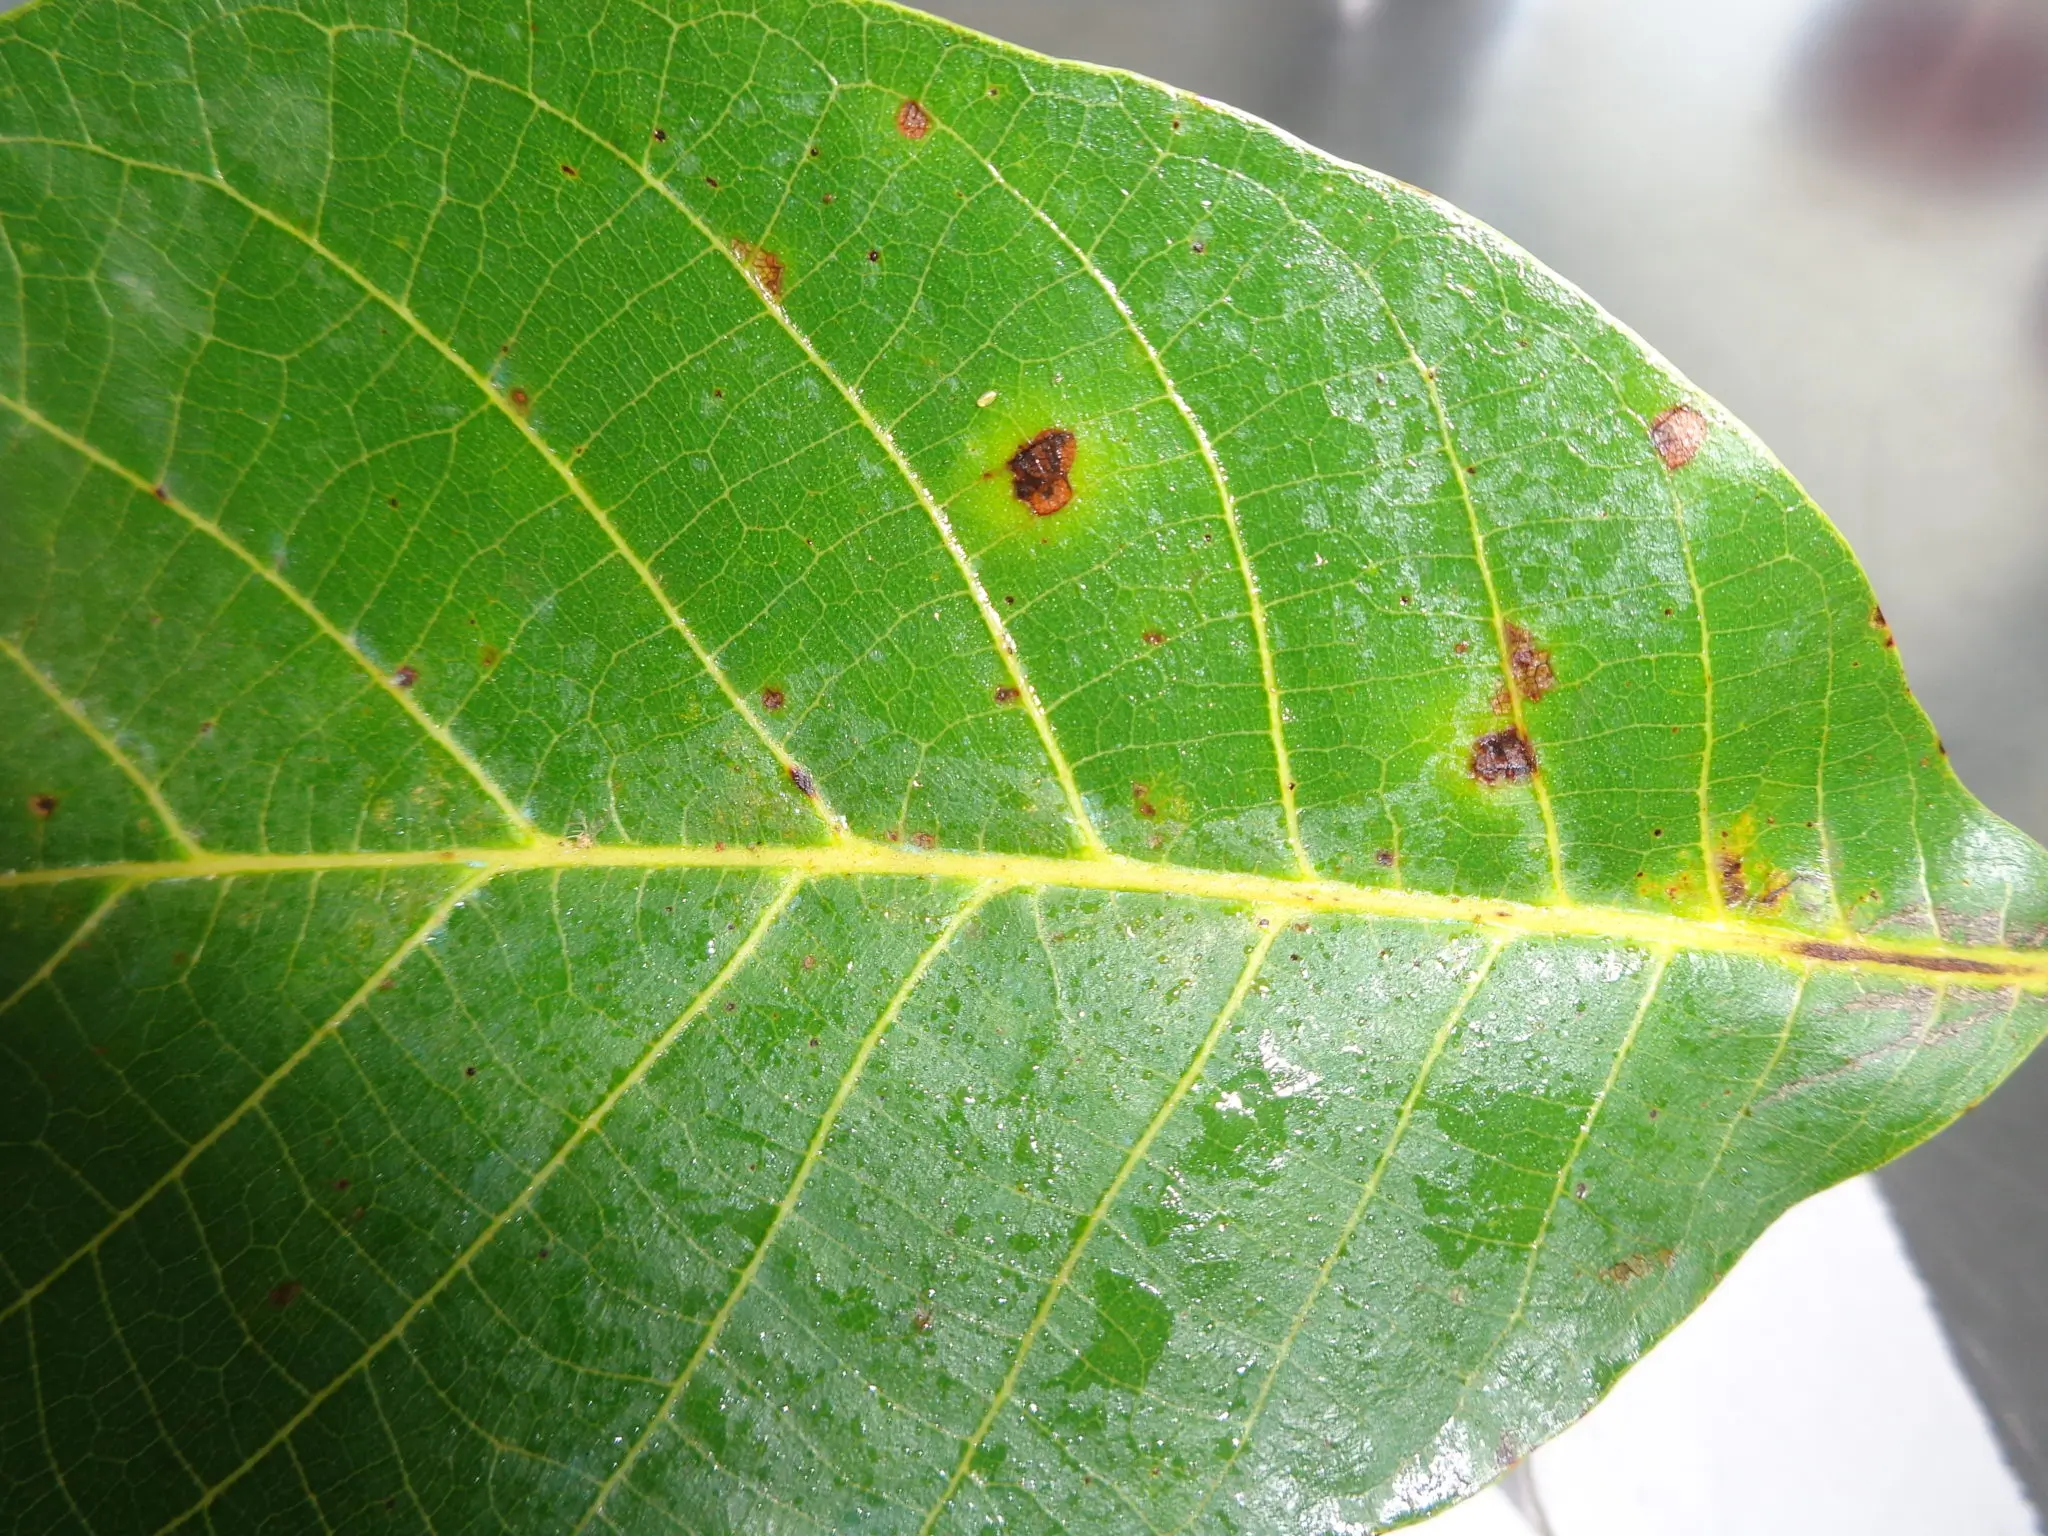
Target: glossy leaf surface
{"points": [[768, 770]]}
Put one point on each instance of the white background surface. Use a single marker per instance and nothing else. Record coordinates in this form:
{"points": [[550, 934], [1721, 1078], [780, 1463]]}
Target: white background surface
{"points": [[1813, 1394]]}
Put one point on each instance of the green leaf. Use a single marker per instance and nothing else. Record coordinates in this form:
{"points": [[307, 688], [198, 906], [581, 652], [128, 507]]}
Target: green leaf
{"points": [[770, 770]]}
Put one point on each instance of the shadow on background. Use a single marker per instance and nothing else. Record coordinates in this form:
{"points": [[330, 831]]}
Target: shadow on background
{"points": [[1833, 215]]}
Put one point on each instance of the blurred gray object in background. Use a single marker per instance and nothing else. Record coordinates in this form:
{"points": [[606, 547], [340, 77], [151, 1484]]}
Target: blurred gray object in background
{"points": [[1833, 215]]}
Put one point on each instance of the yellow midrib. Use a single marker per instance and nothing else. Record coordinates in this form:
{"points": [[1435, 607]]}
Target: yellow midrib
{"points": [[851, 856]]}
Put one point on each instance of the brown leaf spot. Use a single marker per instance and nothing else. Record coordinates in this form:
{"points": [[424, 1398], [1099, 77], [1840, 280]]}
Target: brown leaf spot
{"points": [[568, 170], [160, 493], [1006, 695], [1877, 617], [206, 727], [924, 840], [1141, 799], [1636, 1266], [1384, 858], [661, 135], [1820, 949], [404, 677], [912, 121], [763, 266], [1678, 435], [490, 656], [1039, 469], [800, 776], [1153, 637], [521, 401], [1197, 247], [469, 1071], [874, 255], [773, 699], [1503, 757], [921, 1320], [283, 1294], [341, 1183], [43, 807], [1531, 667], [1734, 884]]}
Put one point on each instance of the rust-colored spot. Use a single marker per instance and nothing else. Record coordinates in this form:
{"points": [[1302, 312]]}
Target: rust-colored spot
{"points": [[1636, 1266], [521, 400], [1141, 799], [773, 699], [206, 727], [43, 806], [1734, 884], [800, 776], [1006, 695], [924, 840], [921, 1320], [404, 677], [1461, 647], [568, 170], [1820, 949], [763, 266], [1877, 617], [341, 1183], [490, 656], [1384, 858], [160, 493], [711, 182], [1678, 435], [1153, 637], [283, 1294], [1039, 470], [1503, 757], [912, 121], [1530, 666]]}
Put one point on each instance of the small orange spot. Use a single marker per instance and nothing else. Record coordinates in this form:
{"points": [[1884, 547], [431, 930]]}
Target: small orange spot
{"points": [[773, 699], [521, 401], [1006, 695], [924, 840], [1153, 637], [1678, 435], [912, 121], [490, 656], [763, 266], [44, 806]]}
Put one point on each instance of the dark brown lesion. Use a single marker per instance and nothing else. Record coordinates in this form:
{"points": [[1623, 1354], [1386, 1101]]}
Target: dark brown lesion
{"points": [[912, 121], [1503, 757], [1851, 954], [1039, 470]]}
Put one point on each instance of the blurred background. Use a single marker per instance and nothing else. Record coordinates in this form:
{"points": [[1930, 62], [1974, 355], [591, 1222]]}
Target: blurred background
{"points": [[1833, 215]]}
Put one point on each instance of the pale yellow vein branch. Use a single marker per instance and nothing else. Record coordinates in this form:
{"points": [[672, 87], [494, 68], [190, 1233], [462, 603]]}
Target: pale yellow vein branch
{"points": [[1511, 687], [1351, 1224], [813, 1151], [62, 952], [433, 728], [1133, 1157], [505, 408], [257, 1095], [585, 1128], [1255, 603], [75, 713], [991, 617]]}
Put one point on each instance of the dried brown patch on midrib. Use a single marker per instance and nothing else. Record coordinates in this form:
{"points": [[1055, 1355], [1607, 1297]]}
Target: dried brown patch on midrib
{"points": [[1851, 954]]}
